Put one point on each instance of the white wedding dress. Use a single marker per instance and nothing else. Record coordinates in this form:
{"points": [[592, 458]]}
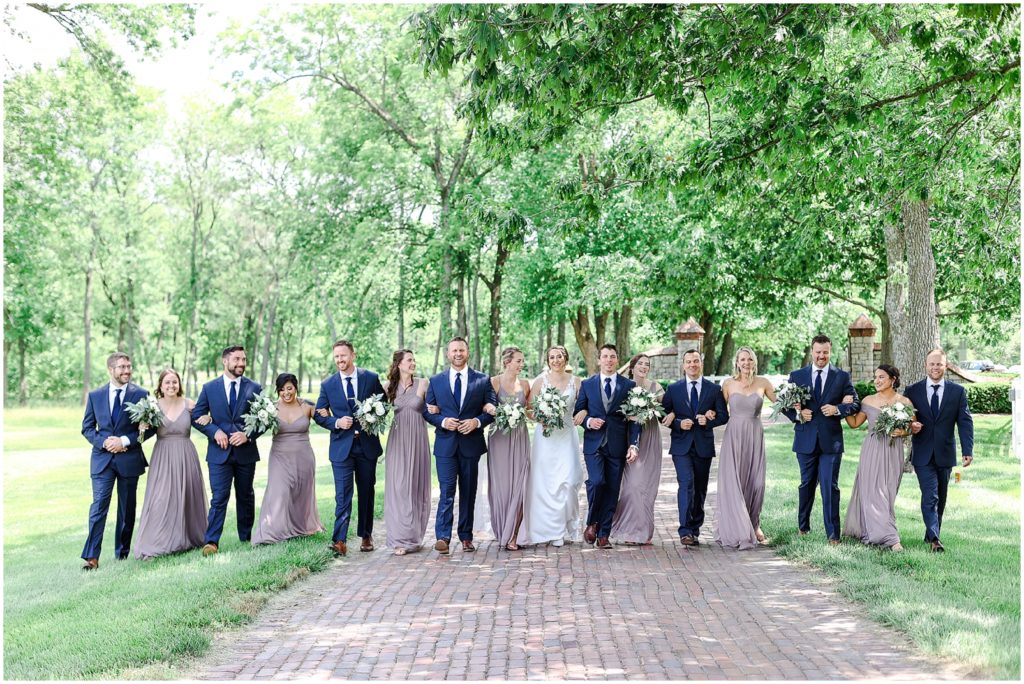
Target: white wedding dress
{"points": [[552, 511]]}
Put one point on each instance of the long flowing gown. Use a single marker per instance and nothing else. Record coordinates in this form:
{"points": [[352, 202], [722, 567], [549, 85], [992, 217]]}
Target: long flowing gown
{"points": [[741, 469], [407, 473], [508, 468], [289, 503], [871, 514], [174, 510], [556, 473], [634, 515]]}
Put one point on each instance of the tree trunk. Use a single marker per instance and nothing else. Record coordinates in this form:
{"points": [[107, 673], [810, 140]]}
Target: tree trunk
{"points": [[710, 358], [87, 324], [600, 328], [7, 366], [460, 302], [788, 362], [474, 304], [623, 324], [540, 344], [887, 342], [401, 304], [445, 313], [585, 339], [275, 360], [561, 330], [302, 366], [22, 375], [440, 338], [268, 331], [724, 366]]}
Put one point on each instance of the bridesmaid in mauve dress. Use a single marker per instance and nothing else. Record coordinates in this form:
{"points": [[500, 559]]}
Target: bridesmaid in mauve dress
{"points": [[508, 455], [634, 516], [406, 458], [289, 502], [741, 466], [174, 510], [871, 514]]}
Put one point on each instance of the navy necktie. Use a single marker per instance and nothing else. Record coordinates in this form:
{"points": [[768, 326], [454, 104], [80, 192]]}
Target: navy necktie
{"points": [[115, 413], [458, 391], [608, 388], [350, 393], [935, 401], [817, 388], [233, 397], [693, 395]]}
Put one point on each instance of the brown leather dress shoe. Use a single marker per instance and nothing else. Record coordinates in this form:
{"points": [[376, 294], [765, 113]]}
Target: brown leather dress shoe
{"points": [[441, 546], [210, 549], [590, 534], [937, 546], [603, 543], [339, 548], [688, 540], [467, 546], [91, 564], [803, 533], [367, 544], [834, 542]]}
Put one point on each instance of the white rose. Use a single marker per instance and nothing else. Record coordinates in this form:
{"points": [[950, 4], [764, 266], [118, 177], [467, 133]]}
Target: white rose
{"points": [[263, 415], [371, 418], [379, 409], [636, 401]]}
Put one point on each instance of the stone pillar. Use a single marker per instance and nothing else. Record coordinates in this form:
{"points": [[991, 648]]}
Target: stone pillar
{"points": [[862, 349], [689, 335]]}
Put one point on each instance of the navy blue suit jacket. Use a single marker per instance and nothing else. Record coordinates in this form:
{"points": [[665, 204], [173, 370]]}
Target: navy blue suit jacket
{"points": [[825, 431], [677, 400], [936, 436], [214, 401], [333, 397], [477, 393], [615, 425], [96, 427]]}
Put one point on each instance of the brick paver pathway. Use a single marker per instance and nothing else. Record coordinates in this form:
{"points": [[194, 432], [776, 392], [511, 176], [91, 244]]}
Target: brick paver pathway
{"points": [[654, 612]]}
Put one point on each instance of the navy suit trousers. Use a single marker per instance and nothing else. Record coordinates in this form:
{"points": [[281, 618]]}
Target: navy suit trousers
{"points": [[819, 469], [604, 480], [692, 474], [934, 482], [221, 478], [102, 490], [453, 470], [364, 468]]}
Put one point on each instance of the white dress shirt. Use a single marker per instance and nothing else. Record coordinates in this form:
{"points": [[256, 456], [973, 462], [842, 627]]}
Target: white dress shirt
{"points": [[111, 393], [689, 387], [942, 385], [814, 376], [355, 383], [227, 387], [608, 377], [465, 382]]}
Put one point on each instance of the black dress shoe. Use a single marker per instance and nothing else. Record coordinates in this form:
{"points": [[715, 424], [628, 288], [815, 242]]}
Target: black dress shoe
{"points": [[688, 540]]}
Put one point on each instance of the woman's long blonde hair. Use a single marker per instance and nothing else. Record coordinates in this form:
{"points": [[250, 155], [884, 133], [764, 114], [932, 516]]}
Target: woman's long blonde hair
{"points": [[736, 361]]}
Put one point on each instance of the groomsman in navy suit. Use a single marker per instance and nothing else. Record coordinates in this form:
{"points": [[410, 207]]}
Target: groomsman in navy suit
{"points": [[940, 407], [818, 438], [461, 394], [117, 458], [231, 455], [699, 408], [609, 440], [352, 450]]}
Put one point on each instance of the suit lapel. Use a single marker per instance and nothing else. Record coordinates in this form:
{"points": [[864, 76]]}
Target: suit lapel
{"points": [[446, 385], [703, 396], [243, 384], [829, 381], [103, 410]]}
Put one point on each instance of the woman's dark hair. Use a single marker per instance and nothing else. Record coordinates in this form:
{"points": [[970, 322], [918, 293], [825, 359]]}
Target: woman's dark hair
{"points": [[283, 379], [632, 364], [395, 375], [893, 372]]}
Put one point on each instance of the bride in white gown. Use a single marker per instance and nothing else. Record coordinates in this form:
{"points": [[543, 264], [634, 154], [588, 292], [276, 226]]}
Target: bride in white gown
{"points": [[552, 511]]}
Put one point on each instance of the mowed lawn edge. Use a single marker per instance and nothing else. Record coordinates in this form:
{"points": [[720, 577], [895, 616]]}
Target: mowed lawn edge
{"points": [[963, 604]]}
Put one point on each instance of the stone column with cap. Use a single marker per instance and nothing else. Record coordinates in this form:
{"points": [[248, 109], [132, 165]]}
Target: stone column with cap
{"points": [[862, 349], [689, 335]]}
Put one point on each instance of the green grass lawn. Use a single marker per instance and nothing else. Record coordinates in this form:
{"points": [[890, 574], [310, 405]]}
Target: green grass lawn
{"points": [[62, 623], [963, 604]]}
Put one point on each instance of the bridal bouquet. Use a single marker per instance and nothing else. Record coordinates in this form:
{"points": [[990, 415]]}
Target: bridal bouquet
{"points": [[641, 406], [261, 416], [896, 416], [549, 410], [509, 416], [145, 410], [373, 414], [786, 395]]}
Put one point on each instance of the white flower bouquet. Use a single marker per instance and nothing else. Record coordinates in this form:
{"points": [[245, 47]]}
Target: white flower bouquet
{"points": [[641, 406], [508, 416], [373, 414], [892, 417], [787, 395], [145, 410], [549, 409], [261, 416]]}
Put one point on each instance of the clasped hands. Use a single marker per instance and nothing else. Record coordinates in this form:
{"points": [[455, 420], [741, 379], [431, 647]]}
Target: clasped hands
{"points": [[463, 427], [826, 410], [702, 419], [343, 423]]}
